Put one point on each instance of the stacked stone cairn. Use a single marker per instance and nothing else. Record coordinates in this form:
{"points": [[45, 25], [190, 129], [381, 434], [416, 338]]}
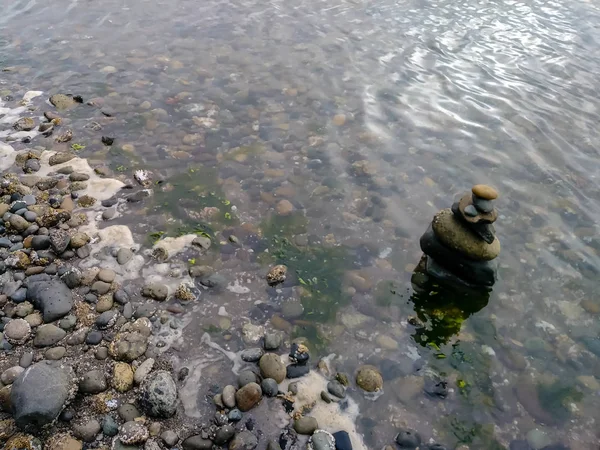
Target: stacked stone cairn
{"points": [[461, 244]]}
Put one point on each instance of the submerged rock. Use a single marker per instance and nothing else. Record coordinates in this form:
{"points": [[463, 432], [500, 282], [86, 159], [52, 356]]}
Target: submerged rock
{"points": [[369, 379]]}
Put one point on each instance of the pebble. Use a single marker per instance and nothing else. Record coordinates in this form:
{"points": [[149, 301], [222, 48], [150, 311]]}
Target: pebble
{"points": [[248, 396], [197, 443], [271, 366], [228, 396], [100, 287], [245, 377], [342, 440], [121, 297], [11, 374], [284, 207], [169, 437], [124, 255], [101, 353], [48, 335], [235, 415], [269, 387], [306, 425], [143, 370], [93, 382], [369, 379], [243, 441], [408, 439], [538, 439], [159, 395], [297, 370], [224, 434], [157, 291], [109, 426], [122, 377], [93, 338], [273, 445], [133, 433], [336, 388], [322, 440], [128, 412], [87, 431], [26, 359], [17, 331], [485, 206], [252, 354], [272, 340], [485, 192], [55, 353]]}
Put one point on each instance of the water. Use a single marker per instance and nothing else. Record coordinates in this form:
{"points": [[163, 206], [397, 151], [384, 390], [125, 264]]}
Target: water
{"points": [[369, 118]]}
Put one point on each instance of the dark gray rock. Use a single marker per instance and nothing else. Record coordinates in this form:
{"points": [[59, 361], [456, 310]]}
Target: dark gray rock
{"points": [[342, 440], [269, 387], [39, 394], [408, 439], [235, 415], [224, 434], [87, 430], [121, 297], [336, 388], [59, 240], [272, 340], [252, 354], [40, 243], [296, 370], [128, 412], [109, 426], [197, 443], [19, 296], [159, 395], [49, 295], [107, 319], [72, 278], [93, 382], [245, 377], [93, 338]]}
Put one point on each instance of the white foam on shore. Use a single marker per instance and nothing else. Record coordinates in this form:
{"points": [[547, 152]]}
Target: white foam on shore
{"points": [[7, 156], [11, 115], [97, 187]]}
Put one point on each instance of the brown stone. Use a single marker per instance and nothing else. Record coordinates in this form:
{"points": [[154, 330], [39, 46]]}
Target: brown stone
{"points": [[485, 192], [248, 396], [467, 200], [456, 236]]}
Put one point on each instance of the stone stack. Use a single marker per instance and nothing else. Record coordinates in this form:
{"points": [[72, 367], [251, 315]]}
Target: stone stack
{"points": [[461, 241]]}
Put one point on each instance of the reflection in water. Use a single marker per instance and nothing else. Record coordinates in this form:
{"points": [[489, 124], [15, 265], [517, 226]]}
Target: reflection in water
{"points": [[442, 306]]}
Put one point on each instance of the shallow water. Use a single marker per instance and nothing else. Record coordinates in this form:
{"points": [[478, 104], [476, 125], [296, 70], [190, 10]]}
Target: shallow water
{"points": [[369, 118]]}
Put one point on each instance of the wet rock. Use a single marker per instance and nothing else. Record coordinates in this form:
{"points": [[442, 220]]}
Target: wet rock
{"points": [[106, 275], [336, 388], [87, 430], [273, 445], [305, 425], [50, 295], [272, 340], [235, 415], [252, 354], [296, 370], [79, 239], [159, 395], [72, 278], [321, 440], [538, 439], [133, 433], [62, 101], [18, 223], [94, 337], [276, 275], [156, 291], [93, 382], [197, 443], [271, 366], [435, 386], [40, 393], [224, 435], [457, 237], [124, 255], [228, 396], [252, 334], [284, 207], [248, 396], [369, 379], [243, 441], [107, 319], [202, 242], [59, 240], [48, 335], [408, 439], [299, 353], [24, 124], [100, 287], [245, 377], [269, 387]]}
